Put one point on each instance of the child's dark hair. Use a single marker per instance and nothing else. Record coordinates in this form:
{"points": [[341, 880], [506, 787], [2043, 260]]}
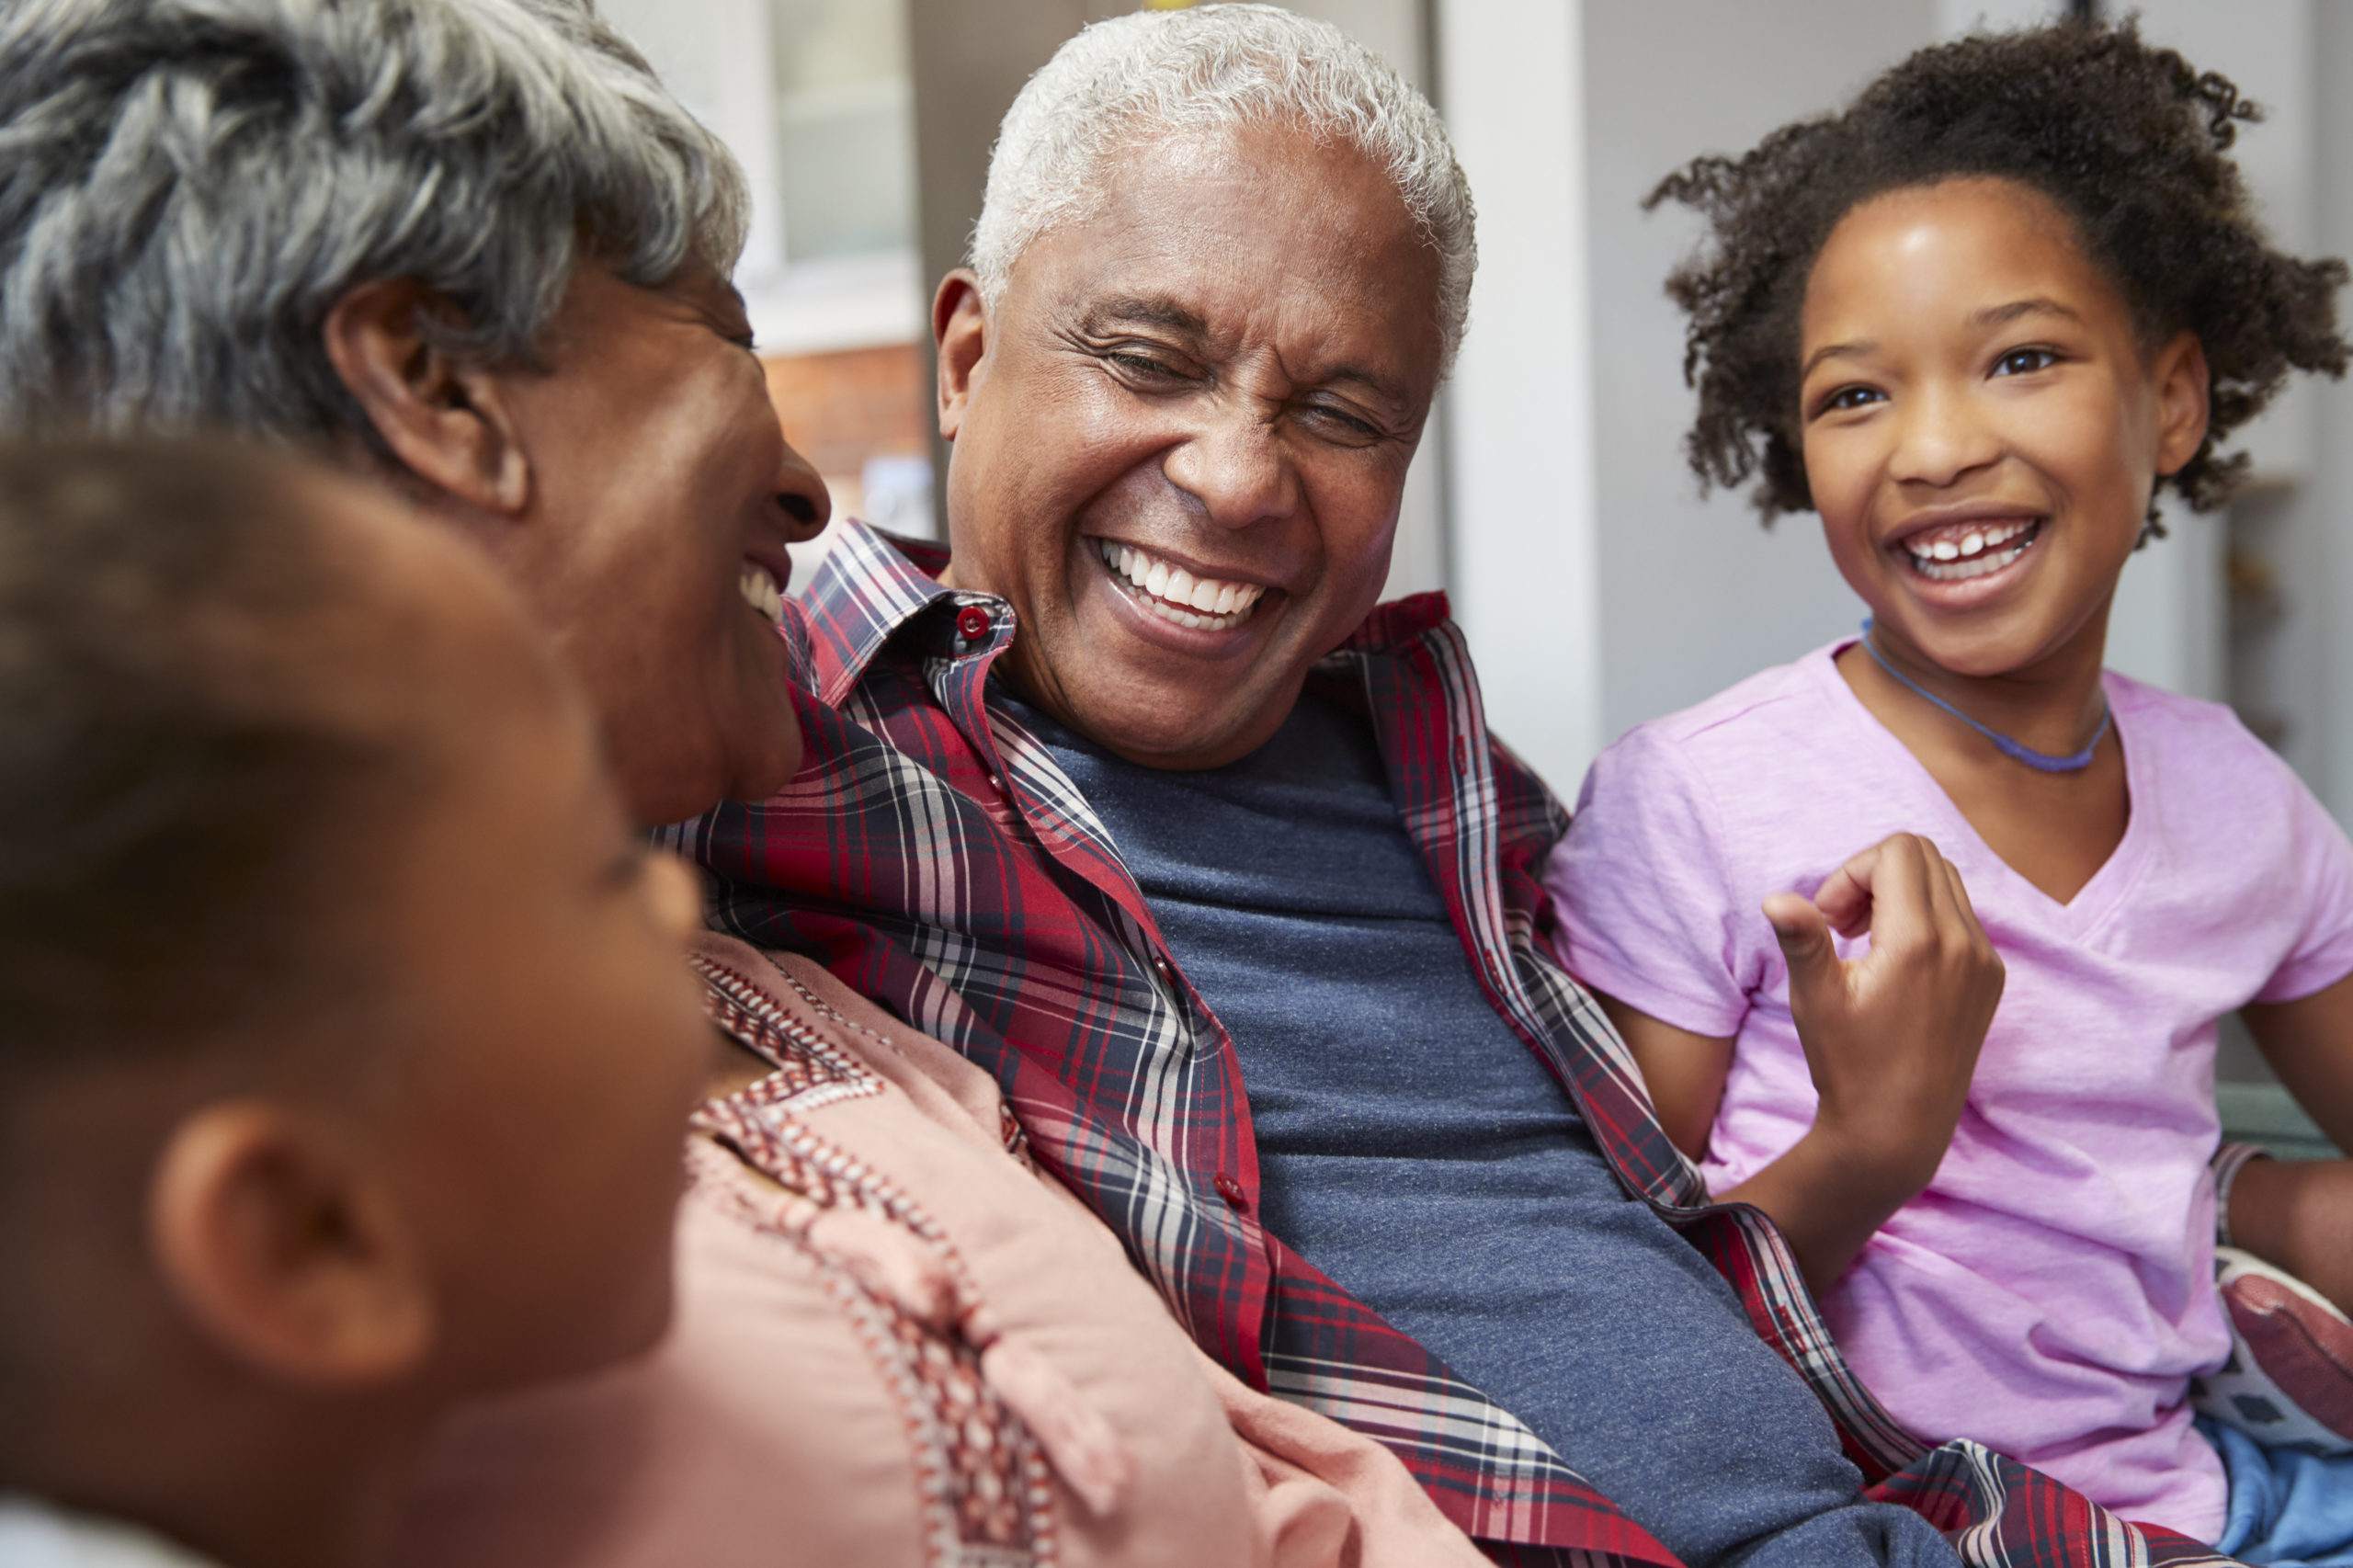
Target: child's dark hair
{"points": [[177, 790], [2129, 141]]}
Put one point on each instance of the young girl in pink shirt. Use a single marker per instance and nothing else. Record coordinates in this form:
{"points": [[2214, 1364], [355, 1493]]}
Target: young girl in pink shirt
{"points": [[1975, 322]]}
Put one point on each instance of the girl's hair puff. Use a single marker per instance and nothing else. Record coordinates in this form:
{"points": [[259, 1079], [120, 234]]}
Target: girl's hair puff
{"points": [[2129, 141]]}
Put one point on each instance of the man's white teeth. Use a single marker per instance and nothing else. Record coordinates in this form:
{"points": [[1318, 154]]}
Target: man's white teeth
{"points": [[1952, 558], [761, 591], [1166, 590]]}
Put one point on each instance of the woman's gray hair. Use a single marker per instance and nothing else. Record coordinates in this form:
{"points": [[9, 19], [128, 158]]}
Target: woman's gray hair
{"points": [[1141, 78], [188, 187]]}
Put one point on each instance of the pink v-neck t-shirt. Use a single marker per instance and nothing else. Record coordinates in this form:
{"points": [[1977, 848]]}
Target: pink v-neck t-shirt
{"points": [[2051, 1292]]}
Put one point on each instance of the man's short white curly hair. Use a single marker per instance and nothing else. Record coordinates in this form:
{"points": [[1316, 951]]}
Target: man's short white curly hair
{"points": [[1141, 78]]}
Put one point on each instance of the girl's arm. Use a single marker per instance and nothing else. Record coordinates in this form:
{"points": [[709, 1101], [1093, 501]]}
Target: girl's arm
{"points": [[2299, 1213], [1891, 1040], [1684, 1071]]}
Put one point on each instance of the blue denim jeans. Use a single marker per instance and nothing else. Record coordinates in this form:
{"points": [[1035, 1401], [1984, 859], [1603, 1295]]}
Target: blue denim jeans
{"points": [[2288, 1508]]}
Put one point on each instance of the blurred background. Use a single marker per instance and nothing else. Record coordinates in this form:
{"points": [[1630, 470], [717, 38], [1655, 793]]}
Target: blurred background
{"points": [[1599, 587]]}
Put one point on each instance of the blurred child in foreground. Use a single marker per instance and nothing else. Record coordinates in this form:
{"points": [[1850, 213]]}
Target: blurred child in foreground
{"points": [[319, 920]]}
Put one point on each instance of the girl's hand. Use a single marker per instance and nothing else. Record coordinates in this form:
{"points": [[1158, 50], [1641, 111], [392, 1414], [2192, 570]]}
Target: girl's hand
{"points": [[1890, 1039]]}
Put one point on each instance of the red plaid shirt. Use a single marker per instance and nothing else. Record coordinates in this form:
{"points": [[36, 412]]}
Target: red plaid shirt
{"points": [[933, 854]]}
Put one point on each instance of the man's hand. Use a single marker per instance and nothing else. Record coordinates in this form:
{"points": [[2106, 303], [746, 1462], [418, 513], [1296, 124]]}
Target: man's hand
{"points": [[1890, 1039]]}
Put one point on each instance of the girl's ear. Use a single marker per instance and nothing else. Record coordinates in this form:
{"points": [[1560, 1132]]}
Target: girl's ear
{"points": [[285, 1252], [2182, 383], [445, 420]]}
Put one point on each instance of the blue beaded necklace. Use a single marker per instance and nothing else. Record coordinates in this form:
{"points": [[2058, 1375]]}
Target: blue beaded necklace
{"points": [[2043, 761]]}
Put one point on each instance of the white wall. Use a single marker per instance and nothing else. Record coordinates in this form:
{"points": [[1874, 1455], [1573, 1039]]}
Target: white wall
{"points": [[1955, 18], [1694, 595], [2323, 569], [1521, 459], [2305, 668]]}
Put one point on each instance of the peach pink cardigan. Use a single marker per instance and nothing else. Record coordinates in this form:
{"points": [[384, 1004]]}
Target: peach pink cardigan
{"points": [[897, 1343]]}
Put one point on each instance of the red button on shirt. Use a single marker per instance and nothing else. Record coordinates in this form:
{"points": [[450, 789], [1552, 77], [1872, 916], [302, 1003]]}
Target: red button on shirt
{"points": [[1231, 1190], [973, 623]]}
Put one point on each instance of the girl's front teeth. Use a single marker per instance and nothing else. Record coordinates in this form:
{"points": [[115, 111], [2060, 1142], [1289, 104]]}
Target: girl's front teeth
{"points": [[1955, 555], [1176, 594]]}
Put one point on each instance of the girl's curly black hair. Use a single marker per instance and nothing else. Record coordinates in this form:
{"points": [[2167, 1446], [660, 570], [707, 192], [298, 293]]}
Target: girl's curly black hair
{"points": [[2130, 140]]}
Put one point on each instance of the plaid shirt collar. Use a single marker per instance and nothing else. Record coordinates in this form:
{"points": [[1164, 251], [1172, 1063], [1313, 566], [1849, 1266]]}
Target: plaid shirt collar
{"points": [[871, 585], [906, 858]]}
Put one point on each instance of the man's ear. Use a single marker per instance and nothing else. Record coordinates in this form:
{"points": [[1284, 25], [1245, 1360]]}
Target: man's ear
{"points": [[2183, 384], [959, 325], [448, 421], [285, 1253]]}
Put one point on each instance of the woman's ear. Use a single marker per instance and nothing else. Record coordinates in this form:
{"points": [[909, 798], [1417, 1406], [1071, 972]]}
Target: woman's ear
{"points": [[2183, 384], [447, 420], [959, 325], [285, 1253]]}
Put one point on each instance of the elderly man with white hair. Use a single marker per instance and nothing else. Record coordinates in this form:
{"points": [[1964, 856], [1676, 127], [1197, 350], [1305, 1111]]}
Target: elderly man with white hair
{"points": [[1134, 797]]}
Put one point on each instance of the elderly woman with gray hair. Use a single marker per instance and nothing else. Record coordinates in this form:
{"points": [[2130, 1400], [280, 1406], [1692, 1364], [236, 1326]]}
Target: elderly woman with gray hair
{"points": [[475, 249]]}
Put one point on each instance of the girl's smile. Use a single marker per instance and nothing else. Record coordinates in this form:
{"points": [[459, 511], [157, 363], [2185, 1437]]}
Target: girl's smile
{"points": [[1982, 424], [1975, 544]]}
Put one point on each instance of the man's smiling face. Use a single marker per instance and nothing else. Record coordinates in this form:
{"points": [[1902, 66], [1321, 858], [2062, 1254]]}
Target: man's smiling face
{"points": [[1181, 435]]}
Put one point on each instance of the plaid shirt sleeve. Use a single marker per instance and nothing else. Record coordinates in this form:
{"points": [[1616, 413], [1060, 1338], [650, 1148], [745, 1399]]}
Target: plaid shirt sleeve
{"points": [[934, 855]]}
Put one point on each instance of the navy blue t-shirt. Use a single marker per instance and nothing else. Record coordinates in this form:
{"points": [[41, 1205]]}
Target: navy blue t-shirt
{"points": [[1414, 1148]]}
